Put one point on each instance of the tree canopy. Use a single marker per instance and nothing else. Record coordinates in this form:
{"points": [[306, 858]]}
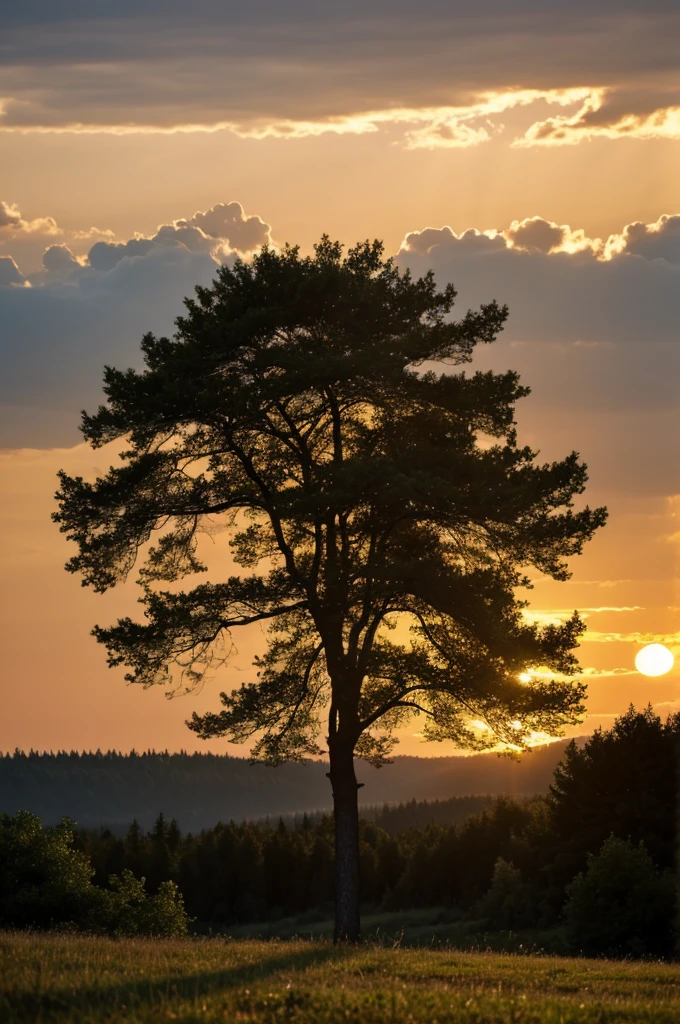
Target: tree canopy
{"points": [[382, 513]]}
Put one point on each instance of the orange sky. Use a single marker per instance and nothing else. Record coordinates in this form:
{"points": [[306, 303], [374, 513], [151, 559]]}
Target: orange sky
{"points": [[359, 122]]}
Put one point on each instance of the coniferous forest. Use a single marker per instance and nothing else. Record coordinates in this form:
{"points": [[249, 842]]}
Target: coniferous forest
{"points": [[111, 789], [594, 856]]}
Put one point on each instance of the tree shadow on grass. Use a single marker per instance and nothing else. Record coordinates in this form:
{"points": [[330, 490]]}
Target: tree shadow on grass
{"points": [[142, 994]]}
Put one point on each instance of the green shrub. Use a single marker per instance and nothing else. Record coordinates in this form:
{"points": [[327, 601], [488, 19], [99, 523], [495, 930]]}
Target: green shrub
{"points": [[45, 883], [621, 905], [507, 902], [131, 911], [43, 880]]}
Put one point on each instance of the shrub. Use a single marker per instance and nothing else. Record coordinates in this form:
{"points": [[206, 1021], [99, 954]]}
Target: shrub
{"points": [[43, 880], [621, 905], [44, 883], [507, 902], [131, 911]]}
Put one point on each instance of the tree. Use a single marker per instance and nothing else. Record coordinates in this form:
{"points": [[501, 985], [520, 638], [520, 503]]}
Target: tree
{"points": [[381, 511], [622, 904], [621, 782], [44, 882]]}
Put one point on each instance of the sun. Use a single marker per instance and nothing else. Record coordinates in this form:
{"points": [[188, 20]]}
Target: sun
{"points": [[654, 660]]}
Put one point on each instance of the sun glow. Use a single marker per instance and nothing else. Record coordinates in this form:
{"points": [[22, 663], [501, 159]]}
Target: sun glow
{"points": [[654, 660]]}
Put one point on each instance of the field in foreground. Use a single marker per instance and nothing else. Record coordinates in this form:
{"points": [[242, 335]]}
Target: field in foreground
{"points": [[76, 979]]}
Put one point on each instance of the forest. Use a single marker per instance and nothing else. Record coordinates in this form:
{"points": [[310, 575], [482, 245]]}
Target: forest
{"points": [[111, 789], [594, 856]]}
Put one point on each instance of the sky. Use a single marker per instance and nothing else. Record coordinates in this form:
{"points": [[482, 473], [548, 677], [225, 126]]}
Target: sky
{"points": [[525, 151]]}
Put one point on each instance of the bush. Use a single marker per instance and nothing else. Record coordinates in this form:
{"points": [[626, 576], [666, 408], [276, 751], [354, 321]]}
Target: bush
{"points": [[43, 880], [507, 902], [131, 911], [45, 883], [621, 905]]}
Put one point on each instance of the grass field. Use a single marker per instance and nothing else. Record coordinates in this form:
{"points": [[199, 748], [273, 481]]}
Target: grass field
{"points": [[428, 926], [76, 979]]}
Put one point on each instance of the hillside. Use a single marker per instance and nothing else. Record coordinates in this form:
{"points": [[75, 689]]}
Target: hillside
{"points": [[200, 789]]}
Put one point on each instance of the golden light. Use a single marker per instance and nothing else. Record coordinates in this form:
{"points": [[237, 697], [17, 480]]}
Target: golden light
{"points": [[654, 660], [525, 677]]}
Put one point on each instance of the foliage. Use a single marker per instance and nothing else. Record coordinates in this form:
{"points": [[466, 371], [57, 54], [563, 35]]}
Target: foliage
{"points": [[360, 492], [238, 873], [45, 882], [622, 782], [133, 912], [507, 902], [622, 904], [382, 514], [69, 979]]}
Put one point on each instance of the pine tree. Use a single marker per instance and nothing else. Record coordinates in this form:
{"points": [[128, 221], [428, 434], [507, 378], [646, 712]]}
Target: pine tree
{"points": [[382, 512]]}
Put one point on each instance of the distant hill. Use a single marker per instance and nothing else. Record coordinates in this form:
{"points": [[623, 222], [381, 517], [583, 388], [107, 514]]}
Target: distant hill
{"points": [[201, 789]]}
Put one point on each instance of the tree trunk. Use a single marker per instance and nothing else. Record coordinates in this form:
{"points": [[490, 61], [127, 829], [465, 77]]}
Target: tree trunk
{"points": [[346, 811]]}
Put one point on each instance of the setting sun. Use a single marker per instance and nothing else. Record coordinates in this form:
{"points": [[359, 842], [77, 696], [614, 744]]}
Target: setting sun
{"points": [[654, 660]]}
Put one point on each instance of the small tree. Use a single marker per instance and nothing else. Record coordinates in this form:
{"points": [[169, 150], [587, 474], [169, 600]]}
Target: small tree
{"points": [[622, 904], [621, 782], [381, 511]]}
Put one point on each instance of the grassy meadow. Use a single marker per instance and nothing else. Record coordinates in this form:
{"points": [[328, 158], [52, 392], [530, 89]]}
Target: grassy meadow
{"points": [[73, 978]]}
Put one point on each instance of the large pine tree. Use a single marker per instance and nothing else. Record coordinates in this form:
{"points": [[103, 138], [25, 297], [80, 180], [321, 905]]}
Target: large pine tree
{"points": [[381, 511]]}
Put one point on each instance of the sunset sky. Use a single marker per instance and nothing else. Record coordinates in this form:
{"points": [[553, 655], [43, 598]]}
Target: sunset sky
{"points": [[526, 151]]}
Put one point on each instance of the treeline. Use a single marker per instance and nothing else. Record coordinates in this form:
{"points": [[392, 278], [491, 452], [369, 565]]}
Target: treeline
{"points": [[593, 857], [112, 789], [248, 871]]}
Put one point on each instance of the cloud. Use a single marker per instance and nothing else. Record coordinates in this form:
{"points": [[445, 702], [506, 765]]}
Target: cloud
{"points": [[58, 335], [228, 221], [660, 240], [10, 217], [84, 312], [12, 222], [592, 330], [222, 230], [59, 262], [593, 327], [649, 637], [594, 294], [535, 233], [9, 272], [299, 68], [609, 114], [104, 256], [26, 239]]}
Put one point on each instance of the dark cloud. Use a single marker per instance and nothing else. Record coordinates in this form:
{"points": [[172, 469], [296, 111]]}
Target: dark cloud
{"points": [[105, 255], [536, 233], [9, 272], [596, 339], [58, 260], [164, 63], [592, 331], [57, 336], [653, 241], [566, 297]]}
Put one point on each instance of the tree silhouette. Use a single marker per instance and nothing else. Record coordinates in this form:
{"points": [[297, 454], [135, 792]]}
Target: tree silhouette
{"points": [[380, 508]]}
